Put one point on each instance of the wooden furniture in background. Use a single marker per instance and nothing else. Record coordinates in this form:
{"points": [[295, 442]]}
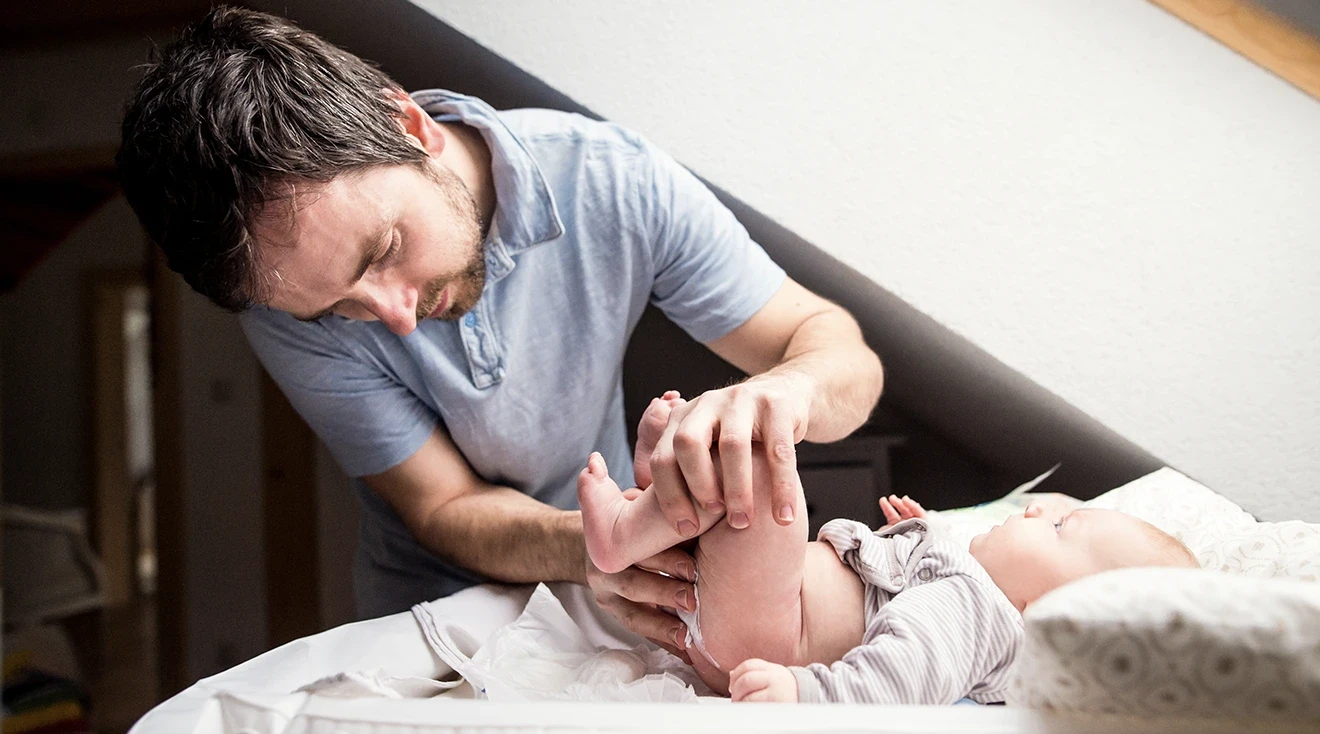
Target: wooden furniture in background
{"points": [[114, 499]]}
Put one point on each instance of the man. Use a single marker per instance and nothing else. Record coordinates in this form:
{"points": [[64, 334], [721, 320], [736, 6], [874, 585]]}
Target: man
{"points": [[445, 294]]}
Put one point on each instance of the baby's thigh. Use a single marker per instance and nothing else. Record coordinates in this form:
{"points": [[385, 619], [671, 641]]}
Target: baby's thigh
{"points": [[749, 582]]}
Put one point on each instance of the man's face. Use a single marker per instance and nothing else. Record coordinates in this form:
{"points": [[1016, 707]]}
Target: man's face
{"points": [[390, 244]]}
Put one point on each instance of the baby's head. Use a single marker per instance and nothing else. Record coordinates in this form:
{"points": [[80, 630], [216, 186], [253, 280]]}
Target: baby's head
{"points": [[1047, 546]]}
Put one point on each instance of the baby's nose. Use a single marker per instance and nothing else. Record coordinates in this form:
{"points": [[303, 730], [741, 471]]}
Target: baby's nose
{"points": [[1035, 509]]}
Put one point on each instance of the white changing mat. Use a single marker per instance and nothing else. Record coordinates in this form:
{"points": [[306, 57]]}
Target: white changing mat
{"points": [[258, 696]]}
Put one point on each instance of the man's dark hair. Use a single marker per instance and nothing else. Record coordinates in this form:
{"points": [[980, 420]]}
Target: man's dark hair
{"points": [[238, 108]]}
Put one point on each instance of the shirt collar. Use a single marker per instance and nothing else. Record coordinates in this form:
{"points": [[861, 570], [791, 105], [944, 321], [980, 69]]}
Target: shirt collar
{"points": [[525, 211]]}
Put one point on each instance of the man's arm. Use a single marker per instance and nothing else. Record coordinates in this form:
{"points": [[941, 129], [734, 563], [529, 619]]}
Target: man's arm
{"points": [[504, 534], [496, 531], [799, 335], [813, 377]]}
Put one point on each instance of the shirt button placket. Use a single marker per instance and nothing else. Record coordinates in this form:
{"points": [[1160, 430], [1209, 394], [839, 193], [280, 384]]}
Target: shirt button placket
{"points": [[472, 346]]}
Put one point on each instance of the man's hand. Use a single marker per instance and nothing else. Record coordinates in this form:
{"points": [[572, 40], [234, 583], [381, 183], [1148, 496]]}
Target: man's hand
{"points": [[636, 594], [771, 410], [756, 681]]}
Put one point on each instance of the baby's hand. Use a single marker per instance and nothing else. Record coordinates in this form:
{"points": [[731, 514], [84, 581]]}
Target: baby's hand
{"points": [[758, 681], [898, 509]]}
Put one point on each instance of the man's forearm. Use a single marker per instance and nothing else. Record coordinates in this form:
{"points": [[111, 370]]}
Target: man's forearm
{"points": [[842, 374], [508, 536]]}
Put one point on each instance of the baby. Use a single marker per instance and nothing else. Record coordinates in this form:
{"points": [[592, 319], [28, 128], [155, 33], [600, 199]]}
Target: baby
{"points": [[898, 615]]}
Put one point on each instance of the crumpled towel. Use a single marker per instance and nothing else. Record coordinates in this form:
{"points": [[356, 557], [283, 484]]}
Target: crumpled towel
{"points": [[376, 684], [545, 656]]}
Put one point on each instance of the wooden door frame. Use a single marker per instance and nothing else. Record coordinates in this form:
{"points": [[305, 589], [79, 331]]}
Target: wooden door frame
{"points": [[113, 501]]}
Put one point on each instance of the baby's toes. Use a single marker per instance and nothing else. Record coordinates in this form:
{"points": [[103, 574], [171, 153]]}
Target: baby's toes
{"points": [[653, 422], [649, 430]]}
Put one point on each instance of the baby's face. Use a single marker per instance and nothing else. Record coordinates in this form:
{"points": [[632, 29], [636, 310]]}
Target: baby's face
{"points": [[1049, 545]]}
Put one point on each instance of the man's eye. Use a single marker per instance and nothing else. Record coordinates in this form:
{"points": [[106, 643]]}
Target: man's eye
{"points": [[391, 251]]}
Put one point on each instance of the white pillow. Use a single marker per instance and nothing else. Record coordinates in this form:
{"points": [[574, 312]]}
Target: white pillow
{"points": [[1174, 642], [1223, 536]]}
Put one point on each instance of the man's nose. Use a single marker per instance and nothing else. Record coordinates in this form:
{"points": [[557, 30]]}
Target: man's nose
{"points": [[395, 306]]}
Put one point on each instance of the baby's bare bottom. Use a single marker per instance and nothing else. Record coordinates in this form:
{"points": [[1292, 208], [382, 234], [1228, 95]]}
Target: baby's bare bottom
{"points": [[764, 591]]}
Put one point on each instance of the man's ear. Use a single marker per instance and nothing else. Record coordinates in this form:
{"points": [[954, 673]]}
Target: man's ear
{"points": [[420, 128]]}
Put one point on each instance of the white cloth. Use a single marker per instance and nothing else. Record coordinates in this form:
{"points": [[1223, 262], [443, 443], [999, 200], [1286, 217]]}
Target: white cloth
{"points": [[547, 655]]}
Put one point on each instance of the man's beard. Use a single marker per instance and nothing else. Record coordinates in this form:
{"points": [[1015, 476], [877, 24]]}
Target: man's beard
{"points": [[469, 281], [466, 291]]}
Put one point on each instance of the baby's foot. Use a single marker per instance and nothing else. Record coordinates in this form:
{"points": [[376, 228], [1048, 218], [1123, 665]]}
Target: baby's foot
{"points": [[602, 506], [649, 430]]}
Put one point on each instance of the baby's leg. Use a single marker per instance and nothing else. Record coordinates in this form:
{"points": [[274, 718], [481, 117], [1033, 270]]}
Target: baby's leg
{"points": [[749, 585], [620, 532], [749, 582]]}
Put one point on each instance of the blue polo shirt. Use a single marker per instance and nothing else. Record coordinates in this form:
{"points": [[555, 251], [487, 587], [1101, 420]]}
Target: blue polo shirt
{"points": [[591, 224]]}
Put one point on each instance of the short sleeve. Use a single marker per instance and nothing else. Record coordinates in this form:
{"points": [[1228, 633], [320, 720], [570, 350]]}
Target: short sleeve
{"points": [[710, 277], [368, 419]]}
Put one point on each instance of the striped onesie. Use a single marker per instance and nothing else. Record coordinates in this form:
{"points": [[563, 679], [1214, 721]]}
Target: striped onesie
{"points": [[937, 627]]}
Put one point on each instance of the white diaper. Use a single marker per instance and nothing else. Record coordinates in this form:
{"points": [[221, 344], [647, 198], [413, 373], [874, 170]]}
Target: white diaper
{"points": [[693, 622]]}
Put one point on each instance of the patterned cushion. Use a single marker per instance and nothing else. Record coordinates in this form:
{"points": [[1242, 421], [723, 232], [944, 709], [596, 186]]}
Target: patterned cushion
{"points": [[1242, 642]]}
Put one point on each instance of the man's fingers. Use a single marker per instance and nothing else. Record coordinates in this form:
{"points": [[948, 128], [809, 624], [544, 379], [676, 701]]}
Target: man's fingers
{"points": [[649, 622], [670, 489], [777, 433], [673, 561], [735, 447], [692, 444], [677, 652], [645, 587]]}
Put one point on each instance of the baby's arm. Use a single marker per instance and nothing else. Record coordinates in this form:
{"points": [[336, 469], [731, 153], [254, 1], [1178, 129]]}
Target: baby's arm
{"points": [[932, 644]]}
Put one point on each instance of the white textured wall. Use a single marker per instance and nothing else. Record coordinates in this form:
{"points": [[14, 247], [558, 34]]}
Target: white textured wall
{"points": [[1095, 193]]}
